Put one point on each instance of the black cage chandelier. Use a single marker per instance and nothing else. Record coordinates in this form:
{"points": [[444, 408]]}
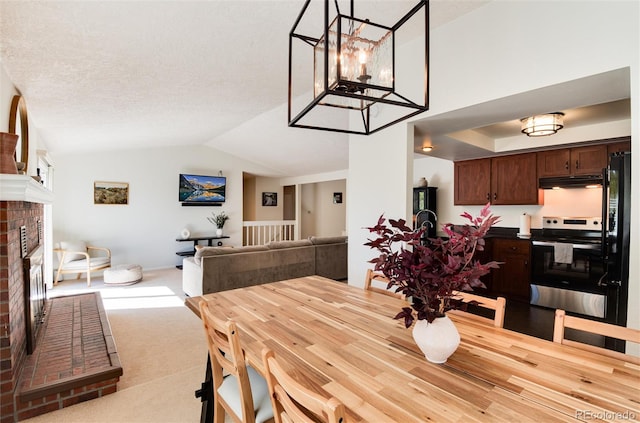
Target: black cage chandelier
{"points": [[357, 76]]}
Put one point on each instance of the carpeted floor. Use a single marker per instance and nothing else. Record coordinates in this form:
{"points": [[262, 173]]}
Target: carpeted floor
{"points": [[161, 346]]}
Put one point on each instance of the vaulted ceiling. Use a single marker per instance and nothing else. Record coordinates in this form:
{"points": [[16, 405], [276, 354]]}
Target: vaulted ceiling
{"points": [[105, 75]]}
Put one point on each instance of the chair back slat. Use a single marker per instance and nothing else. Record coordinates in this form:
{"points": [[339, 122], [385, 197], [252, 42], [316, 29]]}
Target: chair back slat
{"points": [[372, 276], [498, 305], [293, 402], [562, 321]]}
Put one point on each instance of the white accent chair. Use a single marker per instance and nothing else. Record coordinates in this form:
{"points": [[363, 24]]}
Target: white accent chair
{"points": [[78, 257]]}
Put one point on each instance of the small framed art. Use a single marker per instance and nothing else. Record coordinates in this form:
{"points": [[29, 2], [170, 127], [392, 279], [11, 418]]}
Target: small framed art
{"points": [[269, 198], [110, 193], [337, 198]]}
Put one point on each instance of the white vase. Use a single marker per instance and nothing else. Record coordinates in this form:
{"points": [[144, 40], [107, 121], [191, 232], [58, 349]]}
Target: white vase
{"points": [[218, 231], [437, 340]]}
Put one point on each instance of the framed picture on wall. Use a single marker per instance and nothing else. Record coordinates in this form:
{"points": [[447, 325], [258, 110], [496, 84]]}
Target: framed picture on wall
{"points": [[269, 198], [110, 193], [337, 198]]}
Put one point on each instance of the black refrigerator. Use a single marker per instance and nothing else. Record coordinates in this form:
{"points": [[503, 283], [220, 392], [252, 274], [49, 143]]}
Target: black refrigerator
{"points": [[616, 236]]}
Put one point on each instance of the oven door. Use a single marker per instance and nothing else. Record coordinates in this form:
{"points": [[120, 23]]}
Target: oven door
{"points": [[578, 286]]}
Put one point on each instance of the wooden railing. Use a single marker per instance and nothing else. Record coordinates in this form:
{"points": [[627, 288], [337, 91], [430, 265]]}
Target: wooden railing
{"points": [[263, 231]]}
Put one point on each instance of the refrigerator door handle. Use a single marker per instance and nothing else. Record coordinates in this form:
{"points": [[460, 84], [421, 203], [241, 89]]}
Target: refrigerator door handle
{"points": [[605, 213]]}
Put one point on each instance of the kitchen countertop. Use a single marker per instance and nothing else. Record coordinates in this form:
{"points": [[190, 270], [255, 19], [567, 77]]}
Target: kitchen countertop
{"points": [[505, 232]]}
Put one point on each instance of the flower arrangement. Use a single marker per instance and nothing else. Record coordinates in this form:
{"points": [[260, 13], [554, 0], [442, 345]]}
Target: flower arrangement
{"points": [[429, 275], [218, 219]]}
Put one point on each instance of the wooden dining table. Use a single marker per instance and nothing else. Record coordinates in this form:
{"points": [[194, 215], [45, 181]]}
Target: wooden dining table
{"points": [[342, 341]]}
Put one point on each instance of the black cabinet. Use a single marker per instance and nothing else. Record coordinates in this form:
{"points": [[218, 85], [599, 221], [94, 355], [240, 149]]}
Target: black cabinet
{"points": [[195, 240], [424, 209]]}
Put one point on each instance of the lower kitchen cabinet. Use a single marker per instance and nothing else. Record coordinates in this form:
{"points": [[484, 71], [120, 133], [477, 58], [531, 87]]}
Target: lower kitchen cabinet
{"points": [[512, 280]]}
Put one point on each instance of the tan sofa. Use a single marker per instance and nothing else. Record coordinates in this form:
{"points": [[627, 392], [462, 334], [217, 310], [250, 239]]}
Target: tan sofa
{"points": [[214, 269]]}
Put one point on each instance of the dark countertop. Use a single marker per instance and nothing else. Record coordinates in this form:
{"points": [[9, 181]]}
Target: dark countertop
{"points": [[505, 232]]}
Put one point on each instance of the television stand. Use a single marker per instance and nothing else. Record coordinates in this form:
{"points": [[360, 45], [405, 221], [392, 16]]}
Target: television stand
{"points": [[196, 240]]}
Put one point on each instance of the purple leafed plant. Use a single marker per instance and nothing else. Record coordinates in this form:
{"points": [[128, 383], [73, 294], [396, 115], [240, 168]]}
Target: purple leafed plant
{"points": [[429, 275]]}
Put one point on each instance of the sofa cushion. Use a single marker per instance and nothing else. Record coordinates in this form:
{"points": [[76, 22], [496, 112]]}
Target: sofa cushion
{"points": [[289, 244], [217, 251], [315, 240]]}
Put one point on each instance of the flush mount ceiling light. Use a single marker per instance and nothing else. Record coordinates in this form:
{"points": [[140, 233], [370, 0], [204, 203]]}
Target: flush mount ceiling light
{"points": [[357, 76], [541, 125]]}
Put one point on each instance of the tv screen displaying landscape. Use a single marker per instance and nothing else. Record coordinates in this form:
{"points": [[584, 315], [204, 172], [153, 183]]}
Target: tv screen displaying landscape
{"points": [[202, 189]]}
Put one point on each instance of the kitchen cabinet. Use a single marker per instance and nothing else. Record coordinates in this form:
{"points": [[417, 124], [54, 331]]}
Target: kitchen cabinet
{"points": [[472, 182], [500, 180], [587, 160], [512, 280], [619, 147], [514, 180]]}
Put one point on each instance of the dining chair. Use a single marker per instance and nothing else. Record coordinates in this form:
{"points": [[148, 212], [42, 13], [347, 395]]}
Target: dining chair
{"points": [[238, 389], [563, 321], [498, 305], [377, 276], [293, 402], [78, 257]]}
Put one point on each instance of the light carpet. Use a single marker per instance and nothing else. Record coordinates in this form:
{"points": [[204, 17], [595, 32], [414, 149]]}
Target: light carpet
{"points": [[161, 346]]}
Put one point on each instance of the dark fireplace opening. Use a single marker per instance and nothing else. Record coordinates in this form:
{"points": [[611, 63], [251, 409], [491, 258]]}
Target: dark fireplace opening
{"points": [[35, 295]]}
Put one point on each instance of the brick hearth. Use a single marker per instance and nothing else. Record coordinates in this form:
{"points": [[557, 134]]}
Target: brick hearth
{"points": [[75, 359]]}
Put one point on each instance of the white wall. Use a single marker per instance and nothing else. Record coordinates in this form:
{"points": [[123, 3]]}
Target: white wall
{"points": [[486, 55], [320, 215], [380, 179], [145, 230]]}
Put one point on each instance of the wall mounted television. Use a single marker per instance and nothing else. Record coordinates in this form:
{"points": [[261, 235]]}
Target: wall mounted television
{"points": [[202, 190]]}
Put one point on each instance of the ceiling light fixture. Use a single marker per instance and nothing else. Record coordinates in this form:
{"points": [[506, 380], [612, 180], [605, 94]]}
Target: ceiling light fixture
{"points": [[427, 149], [357, 73], [541, 125]]}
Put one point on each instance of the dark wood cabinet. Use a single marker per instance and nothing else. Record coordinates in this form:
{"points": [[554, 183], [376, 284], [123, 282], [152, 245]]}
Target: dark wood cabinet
{"points": [[472, 182], [619, 147], [554, 163], [499, 180], [512, 280], [588, 160], [514, 180]]}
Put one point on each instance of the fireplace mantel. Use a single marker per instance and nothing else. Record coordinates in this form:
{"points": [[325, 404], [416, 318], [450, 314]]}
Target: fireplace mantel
{"points": [[23, 188]]}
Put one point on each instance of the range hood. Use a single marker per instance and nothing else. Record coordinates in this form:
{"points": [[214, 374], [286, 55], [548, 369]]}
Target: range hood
{"points": [[570, 181]]}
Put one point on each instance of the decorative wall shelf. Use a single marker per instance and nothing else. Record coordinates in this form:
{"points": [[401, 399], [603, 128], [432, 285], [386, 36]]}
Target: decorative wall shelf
{"points": [[23, 188]]}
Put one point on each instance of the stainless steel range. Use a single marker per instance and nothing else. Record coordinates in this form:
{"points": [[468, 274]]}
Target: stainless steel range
{"points": [[568, 266]]}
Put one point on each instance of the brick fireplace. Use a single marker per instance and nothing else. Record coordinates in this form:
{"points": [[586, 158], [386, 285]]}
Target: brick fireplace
{"points": [[13, 325], [54, 359]]}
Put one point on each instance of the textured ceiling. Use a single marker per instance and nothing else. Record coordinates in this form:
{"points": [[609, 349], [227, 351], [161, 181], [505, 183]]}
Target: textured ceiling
{"points": [[115, 75]]}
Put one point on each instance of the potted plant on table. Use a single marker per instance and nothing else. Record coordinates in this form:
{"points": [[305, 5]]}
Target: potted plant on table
{"points": [[430, 275], [218, 220]]}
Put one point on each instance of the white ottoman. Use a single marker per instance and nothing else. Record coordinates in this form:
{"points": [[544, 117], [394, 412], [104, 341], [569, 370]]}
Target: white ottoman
{"points": [[123, 274]]}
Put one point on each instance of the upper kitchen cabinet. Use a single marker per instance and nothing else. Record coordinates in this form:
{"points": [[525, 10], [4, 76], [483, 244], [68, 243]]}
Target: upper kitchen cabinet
{"points": [[499, 180], [472, 182], [588, 160], [619, 147], [514, 180]]}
